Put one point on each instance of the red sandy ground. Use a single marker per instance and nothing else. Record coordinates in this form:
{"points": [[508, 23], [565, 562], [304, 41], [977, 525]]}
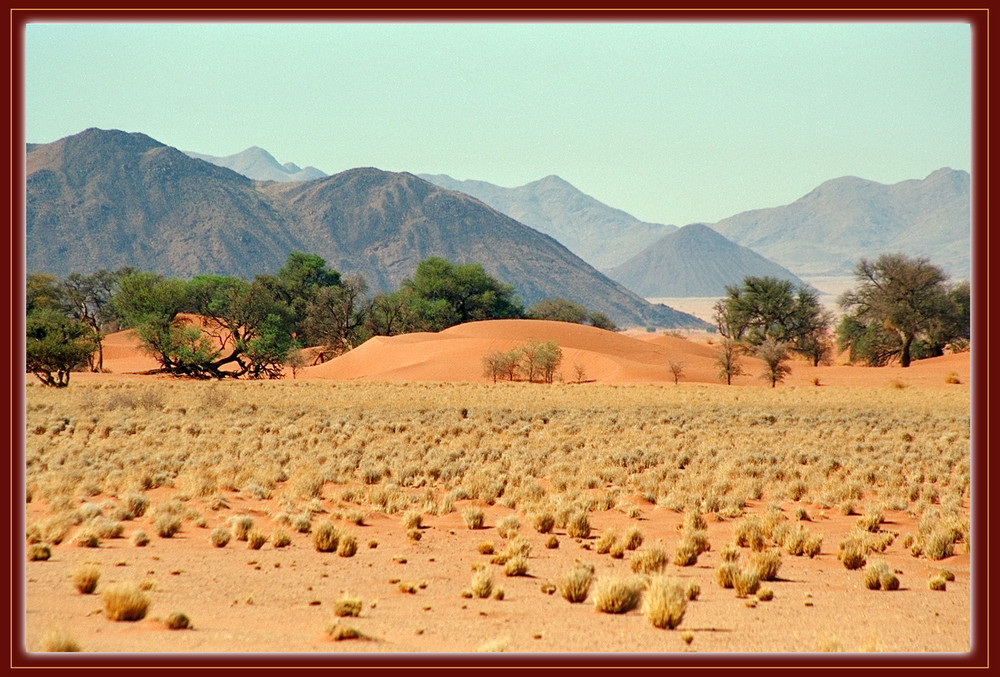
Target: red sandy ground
{"points": [[280, 600]]}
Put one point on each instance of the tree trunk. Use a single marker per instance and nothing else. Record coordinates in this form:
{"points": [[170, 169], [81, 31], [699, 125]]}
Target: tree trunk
{"points": [[904, 353]]}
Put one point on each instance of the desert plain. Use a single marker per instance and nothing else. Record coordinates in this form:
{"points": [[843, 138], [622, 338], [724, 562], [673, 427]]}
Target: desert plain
{"points": [[399, 447]]}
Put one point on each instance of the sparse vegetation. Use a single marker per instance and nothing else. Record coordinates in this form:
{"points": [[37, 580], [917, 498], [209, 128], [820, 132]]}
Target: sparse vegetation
{"points": [[85, 578], [616, 594], [125, 602]]}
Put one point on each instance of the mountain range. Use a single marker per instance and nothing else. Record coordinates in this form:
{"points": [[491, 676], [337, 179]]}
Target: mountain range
{"points": [[601, 235], [257, 164], [107, 199], [694, 261], [828, 230]]}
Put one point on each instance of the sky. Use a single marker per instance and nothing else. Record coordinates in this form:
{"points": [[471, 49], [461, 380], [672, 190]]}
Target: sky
{"points": [[673, 123]]}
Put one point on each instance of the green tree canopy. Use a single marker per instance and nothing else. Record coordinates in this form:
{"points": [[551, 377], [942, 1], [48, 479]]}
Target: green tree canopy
{"points": [[55, 345], [444, 294], [905, 296], [768, 308]]}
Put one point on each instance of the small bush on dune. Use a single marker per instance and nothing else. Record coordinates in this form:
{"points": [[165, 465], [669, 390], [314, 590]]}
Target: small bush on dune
{"points": [[125, 602], [578, 525], [746, 582], [178, 620], [508, 526], [766, 564], [725, 574], [516, 565], [347, 606], [140, 538], [632, 538], [664, 602], [166, 525], [730, 552], [39, 552], [57, 641], [749, 533], [326, 538], [617, 595], [605, 542], [575, 583], [338, 632], [85, 578], [280, 538], [241, 525], [482, 583], [347, 546], [474, 517], [256, 539], [219, 537], [937, 582], [649, 560], [87, 538], [412, 519], [852, 553], [543, 521], [940, 544]]}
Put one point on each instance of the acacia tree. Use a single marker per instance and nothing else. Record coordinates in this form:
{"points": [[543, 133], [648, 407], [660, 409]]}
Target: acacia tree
{"points": [[88, 298], [336, 317], [55, 345], [774, 353], [443, 294], [728, 360], [677, 369], [905, 296], [768, 308]]}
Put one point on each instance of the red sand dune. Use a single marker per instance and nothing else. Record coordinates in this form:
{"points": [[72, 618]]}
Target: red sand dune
{"points": [[456, 354]]}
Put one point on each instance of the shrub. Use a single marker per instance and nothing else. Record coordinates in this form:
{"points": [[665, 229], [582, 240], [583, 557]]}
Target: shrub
{"points": [[219, 537], [473, 517], [575, 583], [870, 577], [730, 552], [108, 528], [692, 590], [348, 606], [812, 545], [516, 565], [486, 548], [87, 538], [947, 574], [280, 538], [649, 560], [347, 545], [617, 549], [140, 538], [552, 542], [725, 574], [766, 564], [686, 554], [339, 631], [85, 578], [940, 544], [412, 519], [578, 525], [241, 525], [664, 603], [125, 602], [543, 521], [508, 526], [765, 594], [256, 539], [746, 582], [326, 538], [605, 542], [632, 538], [166, 525], [39, 552], [937, 582], [482, 583], [57, 641], [749, 533], [617, 595], [871, 520], [178, 620], [852, 553]]}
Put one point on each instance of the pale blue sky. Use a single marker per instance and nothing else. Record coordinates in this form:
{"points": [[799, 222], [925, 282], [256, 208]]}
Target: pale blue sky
{"points": [[673, 123]]}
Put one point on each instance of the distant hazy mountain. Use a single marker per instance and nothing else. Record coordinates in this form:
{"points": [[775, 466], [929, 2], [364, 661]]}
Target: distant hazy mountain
{"points": [[106, 199], [257, 164], [827, 231], [601, 235], [694, 261]]}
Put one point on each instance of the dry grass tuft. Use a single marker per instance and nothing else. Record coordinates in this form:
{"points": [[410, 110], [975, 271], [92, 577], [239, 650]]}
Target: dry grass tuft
{"points": [[575, 583], [664, 602], [649, 560], [326, 538], [473, 517], [578, 525], [338, 632], [58, 641], [348, 606], [178, 620], [220, 537], [125, 602], [85, 578], [616, 594], [482, 583], [39, 552]]}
